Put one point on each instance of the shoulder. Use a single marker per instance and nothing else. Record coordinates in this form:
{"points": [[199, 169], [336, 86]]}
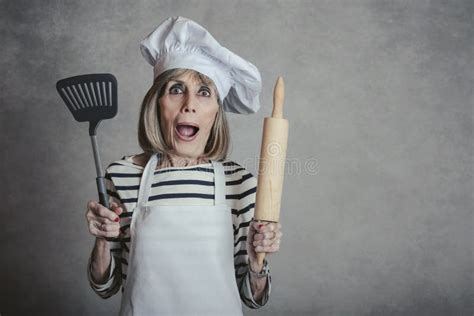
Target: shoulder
{"points": [[238, 174], [128, 163]]}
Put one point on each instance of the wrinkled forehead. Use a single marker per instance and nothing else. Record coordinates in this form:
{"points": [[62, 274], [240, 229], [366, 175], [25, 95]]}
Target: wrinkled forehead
{"points": [[194, 76]]}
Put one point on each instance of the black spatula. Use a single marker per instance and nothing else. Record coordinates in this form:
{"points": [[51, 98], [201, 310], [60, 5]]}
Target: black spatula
{"points": [[91, 98]]}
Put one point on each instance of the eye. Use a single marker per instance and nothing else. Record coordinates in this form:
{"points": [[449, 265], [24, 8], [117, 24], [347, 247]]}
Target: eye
{"points": [[176, 89], [205, 92]]}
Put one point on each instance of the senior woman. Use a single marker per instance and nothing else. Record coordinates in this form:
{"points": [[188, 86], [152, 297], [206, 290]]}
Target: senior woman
{"points": [[180, 238]]}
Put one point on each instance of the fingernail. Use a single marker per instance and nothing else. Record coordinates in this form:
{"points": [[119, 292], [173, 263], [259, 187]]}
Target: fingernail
{"points": [[260, 226], [117, 219]]}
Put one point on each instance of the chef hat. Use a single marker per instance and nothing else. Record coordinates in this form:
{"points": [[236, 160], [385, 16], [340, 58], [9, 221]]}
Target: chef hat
{"points": [[182, 43]]}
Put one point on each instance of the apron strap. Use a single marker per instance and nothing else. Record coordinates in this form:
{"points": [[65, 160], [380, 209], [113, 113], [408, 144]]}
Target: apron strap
{"points": [[147, 180], [219, 183]]}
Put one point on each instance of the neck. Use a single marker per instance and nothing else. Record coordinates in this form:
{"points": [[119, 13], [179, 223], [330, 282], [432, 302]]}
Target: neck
{"points": [[173, 160]]}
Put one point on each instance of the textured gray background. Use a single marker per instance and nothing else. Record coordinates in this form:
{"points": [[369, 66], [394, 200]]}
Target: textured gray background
{"points": [[377, 220]]}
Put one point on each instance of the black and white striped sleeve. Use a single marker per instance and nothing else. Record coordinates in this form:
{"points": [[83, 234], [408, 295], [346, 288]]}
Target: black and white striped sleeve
{"points": [[242, 215], [114, 281]]}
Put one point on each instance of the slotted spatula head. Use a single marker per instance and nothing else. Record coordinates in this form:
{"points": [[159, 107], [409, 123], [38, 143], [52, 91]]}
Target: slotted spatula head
{"points": [[91, 97]]}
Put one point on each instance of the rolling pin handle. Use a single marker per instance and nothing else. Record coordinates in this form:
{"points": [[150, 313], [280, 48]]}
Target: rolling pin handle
{"points": [[278, 98]]}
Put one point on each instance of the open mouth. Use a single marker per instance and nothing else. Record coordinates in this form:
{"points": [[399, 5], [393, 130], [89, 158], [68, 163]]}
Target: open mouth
{"points": [[187, 131]]}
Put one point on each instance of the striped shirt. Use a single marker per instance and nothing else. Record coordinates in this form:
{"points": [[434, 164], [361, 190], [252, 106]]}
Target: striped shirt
{"points": [[192, 185]]}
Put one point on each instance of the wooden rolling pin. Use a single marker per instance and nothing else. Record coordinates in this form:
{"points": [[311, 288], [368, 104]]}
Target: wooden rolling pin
{"points": [[271, 167]]}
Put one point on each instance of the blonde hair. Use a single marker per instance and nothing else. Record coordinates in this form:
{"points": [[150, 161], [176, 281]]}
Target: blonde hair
{"points": [[150, 134]]}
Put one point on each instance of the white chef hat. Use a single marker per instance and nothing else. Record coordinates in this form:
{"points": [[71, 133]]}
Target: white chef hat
{"points": [[179, 42]]}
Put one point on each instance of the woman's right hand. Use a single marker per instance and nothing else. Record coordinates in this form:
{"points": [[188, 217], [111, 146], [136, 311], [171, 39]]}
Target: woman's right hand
{"points": [[103, 222]]}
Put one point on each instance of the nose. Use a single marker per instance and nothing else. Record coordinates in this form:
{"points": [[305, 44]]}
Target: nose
{"points": [[189, 104]]}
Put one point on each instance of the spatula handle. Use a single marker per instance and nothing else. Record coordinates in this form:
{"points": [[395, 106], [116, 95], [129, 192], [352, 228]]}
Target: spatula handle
{"points": [[103, 197], [101, 188]]}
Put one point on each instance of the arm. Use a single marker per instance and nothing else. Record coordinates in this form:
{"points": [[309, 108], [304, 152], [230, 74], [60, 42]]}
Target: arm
{"points": [[256, 288], [104, 268], [103, 273], [263, 236], [100, 261], [258, 283], [253, 292]]}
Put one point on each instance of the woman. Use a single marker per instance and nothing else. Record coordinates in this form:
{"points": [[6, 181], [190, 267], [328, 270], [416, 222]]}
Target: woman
{"points": [[181, 215]]}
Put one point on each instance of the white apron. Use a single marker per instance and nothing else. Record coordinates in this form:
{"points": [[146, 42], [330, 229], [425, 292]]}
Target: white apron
{"points": [[181, 259]]}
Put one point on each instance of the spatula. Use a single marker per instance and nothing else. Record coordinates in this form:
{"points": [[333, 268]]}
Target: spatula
{"points": [[91, 98]]}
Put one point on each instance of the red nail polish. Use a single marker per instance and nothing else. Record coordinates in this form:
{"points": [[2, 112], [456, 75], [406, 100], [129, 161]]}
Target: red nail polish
{"points": [[117, 219], [260, 226]]}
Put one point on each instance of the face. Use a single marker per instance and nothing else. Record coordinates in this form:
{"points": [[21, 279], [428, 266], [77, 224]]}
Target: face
{"points": [[188, 110]]}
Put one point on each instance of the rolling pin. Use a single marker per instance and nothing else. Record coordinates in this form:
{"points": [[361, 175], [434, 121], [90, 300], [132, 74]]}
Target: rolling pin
{"points": [[271, 166]]}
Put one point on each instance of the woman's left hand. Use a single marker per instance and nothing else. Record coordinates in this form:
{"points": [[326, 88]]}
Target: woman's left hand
{"points": [[263, 237]]}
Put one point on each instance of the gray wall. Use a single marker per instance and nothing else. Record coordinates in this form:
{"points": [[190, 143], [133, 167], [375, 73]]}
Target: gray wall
{"points": [[377, 210]]}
